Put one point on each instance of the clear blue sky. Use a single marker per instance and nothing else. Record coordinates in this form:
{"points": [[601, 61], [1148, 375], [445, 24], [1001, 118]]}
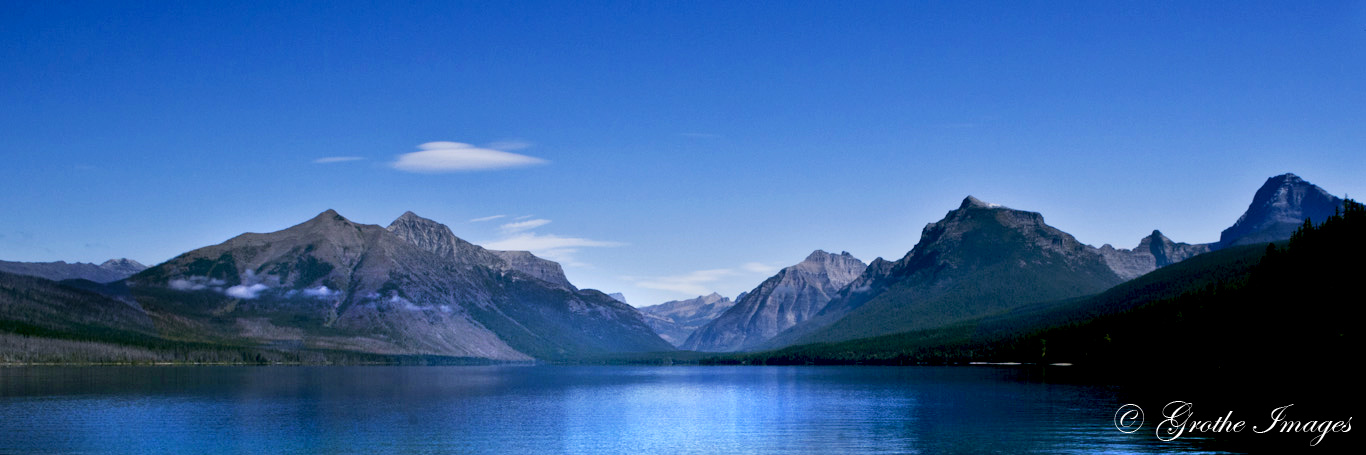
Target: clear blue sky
{"points": [[663, 148]]}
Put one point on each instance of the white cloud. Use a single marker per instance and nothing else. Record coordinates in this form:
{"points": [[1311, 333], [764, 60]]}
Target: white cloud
{"points": [[245, 292], [454, 157], [337, 159], [320, 292], [691, 284], [520, 226], [758, 267], [185, 285], [487, 218]]}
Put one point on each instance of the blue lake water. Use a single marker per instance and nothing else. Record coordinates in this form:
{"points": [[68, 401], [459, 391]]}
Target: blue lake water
{"points": [[559, 409]]}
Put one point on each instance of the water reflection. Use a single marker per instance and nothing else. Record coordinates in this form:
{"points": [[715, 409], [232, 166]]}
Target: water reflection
{"points": [[550, 409]]}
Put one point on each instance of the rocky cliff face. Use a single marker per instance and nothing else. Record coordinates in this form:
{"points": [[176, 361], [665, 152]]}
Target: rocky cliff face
{"points": [[788, 298], [1279, 207], [980, 259], [675, 320], [543, 269], [110, 271], [438, 238], [415, 288], [1153, 252]]}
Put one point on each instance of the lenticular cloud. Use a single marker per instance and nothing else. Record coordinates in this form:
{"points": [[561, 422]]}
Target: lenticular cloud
{"points": [[437, 157]]}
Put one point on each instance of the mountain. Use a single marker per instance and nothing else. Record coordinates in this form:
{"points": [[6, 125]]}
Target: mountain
{"points": [[108, 272], [1298, 289], [618, 297], [675, 320], [980, 259], [1154, 251], [543, 269], [1279, 207], [786, 299], [438, 238], [411, 289]]}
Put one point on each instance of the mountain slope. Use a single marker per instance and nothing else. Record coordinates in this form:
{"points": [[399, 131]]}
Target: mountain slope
{"points": [[675, 320], [786, 299], [38, 305], [108, 272], [980, 259]]}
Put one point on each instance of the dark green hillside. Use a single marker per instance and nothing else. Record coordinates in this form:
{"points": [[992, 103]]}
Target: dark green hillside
{"points": [[980, 260]]}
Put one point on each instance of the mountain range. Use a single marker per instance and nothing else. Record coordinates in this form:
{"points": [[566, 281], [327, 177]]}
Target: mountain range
{"points": [[788, 298], [107, 272], [676, 320], [330, 284], [330, 287], [984, 259]]}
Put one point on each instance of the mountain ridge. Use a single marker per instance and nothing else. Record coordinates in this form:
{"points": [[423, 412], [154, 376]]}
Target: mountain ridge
{"points": [[786, 299], [676, 320]]}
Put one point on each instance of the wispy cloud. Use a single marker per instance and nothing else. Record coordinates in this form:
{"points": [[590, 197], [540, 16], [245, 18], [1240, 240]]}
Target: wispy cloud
{"points": [[531, 241], [701, 282], [487, 218], [692, 283], [758, 267], [553, 247], [520, 226], [337, 159], [437, 157]]}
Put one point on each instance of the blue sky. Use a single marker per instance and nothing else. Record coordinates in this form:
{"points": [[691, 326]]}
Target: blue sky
{"points": [[663, 149]]}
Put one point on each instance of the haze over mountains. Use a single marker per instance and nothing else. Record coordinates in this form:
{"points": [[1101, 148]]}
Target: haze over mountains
{"points": [[415, 289], [792, 296], [107, 272], [675, 320]]}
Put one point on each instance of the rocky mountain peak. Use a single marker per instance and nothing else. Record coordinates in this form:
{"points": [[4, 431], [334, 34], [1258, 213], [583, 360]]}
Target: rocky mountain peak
{"points": [[986, 224], [676, 320], [793, 295], [530, 264], [411, 220], [437, 238], [122, 263], [325, 223], [974, 203], [330, 215], [1279, 207], [1152, 252], [838, 269]]}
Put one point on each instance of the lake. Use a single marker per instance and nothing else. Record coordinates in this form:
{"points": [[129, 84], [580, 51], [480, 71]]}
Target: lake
{"points": [[562, 409]]}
